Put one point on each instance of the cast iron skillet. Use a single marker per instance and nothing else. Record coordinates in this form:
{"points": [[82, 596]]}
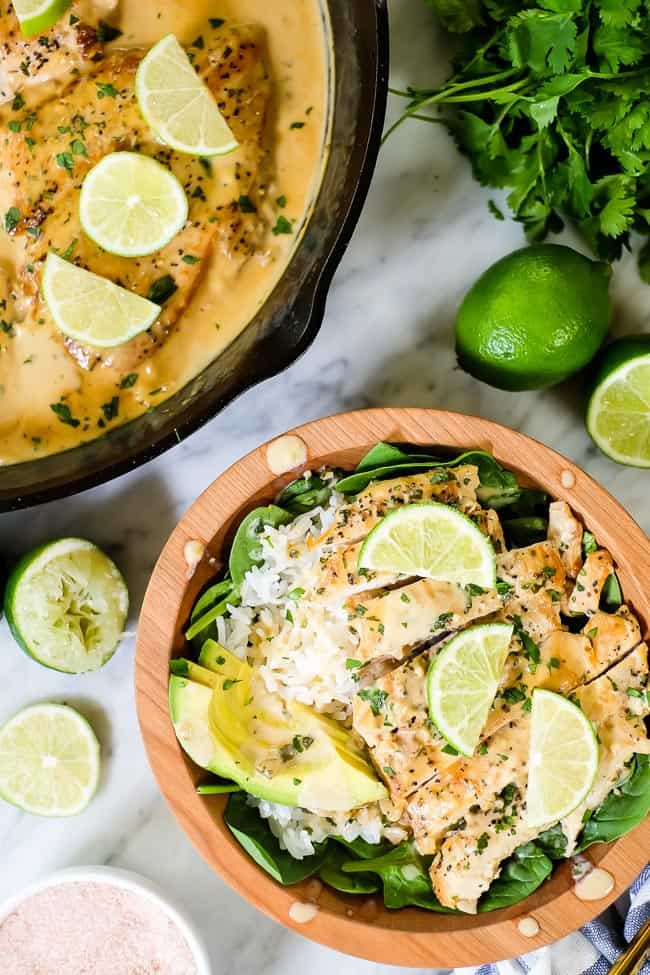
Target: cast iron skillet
{"points": [[291, 317]]}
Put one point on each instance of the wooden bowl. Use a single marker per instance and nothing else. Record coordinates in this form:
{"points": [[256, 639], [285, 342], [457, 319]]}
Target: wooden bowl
{"points": [[362, 926]]}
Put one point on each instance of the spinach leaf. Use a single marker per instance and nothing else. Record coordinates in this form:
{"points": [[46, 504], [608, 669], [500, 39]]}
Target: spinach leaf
{"points": [[212, 595], [358, 482], [552, 842], [386, 455], [364, 850], [530, 502], [622, 809], [201, 624], [246, 551], [304, 494], [611, 597], [522, 873], [348, 883], [254, 835], [523, 531], [405, 878]]}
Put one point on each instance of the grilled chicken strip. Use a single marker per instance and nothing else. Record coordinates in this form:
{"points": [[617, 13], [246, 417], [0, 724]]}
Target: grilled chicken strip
{"points": [[70, 47], [565, 532], [593, 575], [99, 114], [536, 578], [495, 826]]}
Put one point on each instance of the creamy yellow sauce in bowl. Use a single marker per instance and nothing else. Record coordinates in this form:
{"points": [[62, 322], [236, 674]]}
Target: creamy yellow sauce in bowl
{"points": [[54, 395]]}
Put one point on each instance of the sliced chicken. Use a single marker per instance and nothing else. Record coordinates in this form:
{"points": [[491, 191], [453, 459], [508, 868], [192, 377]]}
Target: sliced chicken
{"points": [[536, 578], [618, 705], [338, 577], [565, 532], [391, 624], [593, 575], [472, 854], [612, 634], [358, 516]]}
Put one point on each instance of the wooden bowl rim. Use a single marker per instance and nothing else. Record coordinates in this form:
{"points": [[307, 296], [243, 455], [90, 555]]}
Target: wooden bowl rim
{"points": [[409, 937]]}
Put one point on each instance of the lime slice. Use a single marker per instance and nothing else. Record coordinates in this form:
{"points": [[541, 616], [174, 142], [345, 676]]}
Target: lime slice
{"points": [[91, 309], [49, 760], [431, 540], [618, 415], [463, 681], [36, 16], [66, 604], [177, 105], [131, 205], [562, 761]]}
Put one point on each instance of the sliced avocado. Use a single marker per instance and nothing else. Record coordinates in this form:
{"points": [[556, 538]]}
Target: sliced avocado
{"points": [[276, 750]]}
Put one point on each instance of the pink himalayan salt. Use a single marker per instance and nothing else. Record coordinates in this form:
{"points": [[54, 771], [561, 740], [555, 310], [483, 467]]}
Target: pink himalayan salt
{"points": [[92, 929]]}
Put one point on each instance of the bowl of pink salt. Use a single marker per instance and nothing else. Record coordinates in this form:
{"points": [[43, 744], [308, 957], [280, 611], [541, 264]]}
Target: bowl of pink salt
{"points": [[99, 920]]}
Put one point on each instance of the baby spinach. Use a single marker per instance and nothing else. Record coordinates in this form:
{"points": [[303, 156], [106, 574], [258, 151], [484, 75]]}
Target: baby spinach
{"points": [[405, 878], [498, 487], [304, 494], [364, 850], [254, 835], [348, 883], [522, 873], [212, 595], [201, 624], [622, 809], [611, 598], [246, 549], [552, 842], [387, 455], [523, 531]]}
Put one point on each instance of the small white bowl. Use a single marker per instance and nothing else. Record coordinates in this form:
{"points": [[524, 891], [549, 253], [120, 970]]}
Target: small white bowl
{"points": [[125, 880]]}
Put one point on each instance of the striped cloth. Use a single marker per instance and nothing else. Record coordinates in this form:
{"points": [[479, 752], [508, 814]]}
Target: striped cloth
{"points": [[590, 951]]}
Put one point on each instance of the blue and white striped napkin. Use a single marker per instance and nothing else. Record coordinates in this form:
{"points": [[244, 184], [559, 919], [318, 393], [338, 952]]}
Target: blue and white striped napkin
{"points": [[590, 951]]}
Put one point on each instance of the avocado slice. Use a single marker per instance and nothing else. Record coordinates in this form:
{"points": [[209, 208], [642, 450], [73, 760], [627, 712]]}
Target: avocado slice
{"points": [[284, 752]]}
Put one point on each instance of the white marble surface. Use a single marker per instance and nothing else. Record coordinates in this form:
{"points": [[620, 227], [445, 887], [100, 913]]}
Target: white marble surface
{"points": [[387, 340]]}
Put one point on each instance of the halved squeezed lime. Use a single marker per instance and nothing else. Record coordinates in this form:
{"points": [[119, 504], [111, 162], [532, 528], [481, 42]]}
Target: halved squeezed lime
{"points": [[66, 604]]}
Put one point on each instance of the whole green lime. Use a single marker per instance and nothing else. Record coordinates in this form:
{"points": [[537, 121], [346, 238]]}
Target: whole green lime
{"points": [[534, 318]]}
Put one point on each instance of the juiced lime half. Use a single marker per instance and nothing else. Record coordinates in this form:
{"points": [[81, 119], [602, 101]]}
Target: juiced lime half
{"points": [[131, 205], [66, 604], [36, 16], [463, 680], [49, 760], [177, 104], [430, 540], [562, 760], [618, 415], [91, 309]]}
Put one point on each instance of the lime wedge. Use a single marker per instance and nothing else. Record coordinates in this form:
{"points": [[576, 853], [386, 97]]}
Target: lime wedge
{"points": [[618, 415], [131, 205], [177, 105], [562, 760], [66, 604], [49, 760], [430, 540], [36, 16], [91, 309], [463, 680]]}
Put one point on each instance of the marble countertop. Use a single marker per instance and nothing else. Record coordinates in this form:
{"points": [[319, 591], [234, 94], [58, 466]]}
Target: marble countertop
{"points": [[425, 235]]}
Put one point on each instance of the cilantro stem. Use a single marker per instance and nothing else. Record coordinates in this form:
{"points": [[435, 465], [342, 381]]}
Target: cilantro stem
{"points": [[415, 93]]}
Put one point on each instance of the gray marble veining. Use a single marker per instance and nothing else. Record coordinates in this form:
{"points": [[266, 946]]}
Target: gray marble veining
{"points": [[425, 235]]}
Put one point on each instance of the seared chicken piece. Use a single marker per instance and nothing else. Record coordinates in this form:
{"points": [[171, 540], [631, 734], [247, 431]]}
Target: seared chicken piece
{"points": [[536, 578], [391, 624], [492, 829], [360, 514], [619, 716], [55, 55], [612, 634], [338, 577], [593, 575], [565, 532], [99, 114]]}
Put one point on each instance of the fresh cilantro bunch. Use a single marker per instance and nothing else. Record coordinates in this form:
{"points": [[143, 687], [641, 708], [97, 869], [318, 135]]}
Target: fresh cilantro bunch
{"points": [[552, 101]]}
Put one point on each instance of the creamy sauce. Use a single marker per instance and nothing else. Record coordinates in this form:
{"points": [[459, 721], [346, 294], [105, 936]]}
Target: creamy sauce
{"points": [[595, 885], [301, 913], [528, 927], [35, 369], [285, 453]]}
